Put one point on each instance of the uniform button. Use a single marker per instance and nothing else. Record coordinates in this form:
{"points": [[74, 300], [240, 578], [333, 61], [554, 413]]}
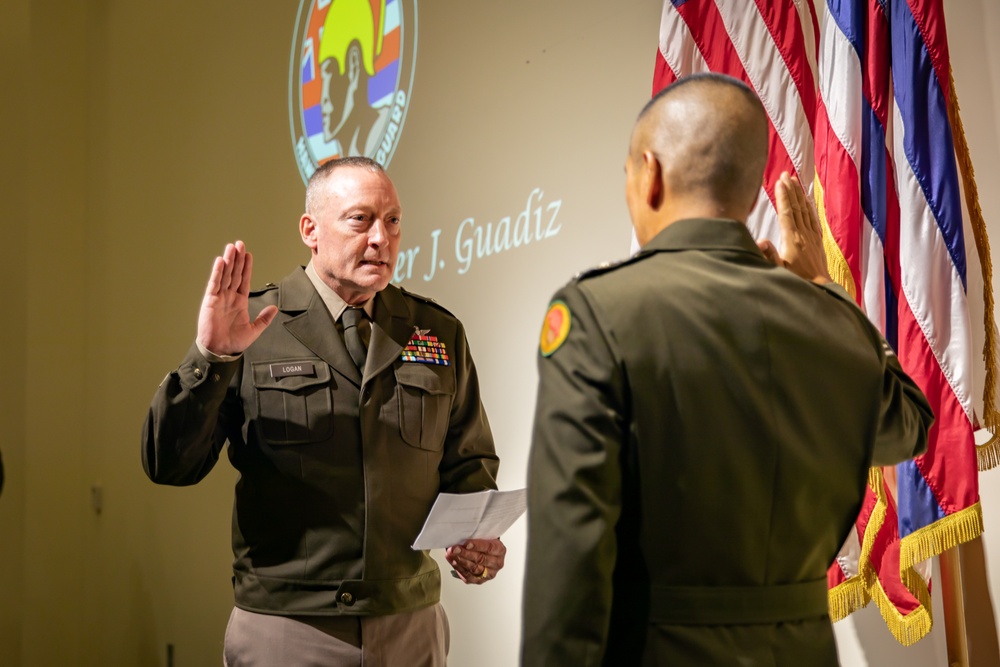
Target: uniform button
{"points": [[198, 373], [347, 598], [216, 377]]}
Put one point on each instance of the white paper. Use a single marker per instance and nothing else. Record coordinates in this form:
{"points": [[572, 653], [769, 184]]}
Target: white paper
{"points": [[456, 517]]}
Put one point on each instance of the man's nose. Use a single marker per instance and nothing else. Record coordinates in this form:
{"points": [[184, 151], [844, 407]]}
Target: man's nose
{"points": [[377, 233]]}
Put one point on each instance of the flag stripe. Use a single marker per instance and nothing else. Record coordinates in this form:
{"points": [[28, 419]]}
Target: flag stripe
{"points": [[927, 145], [780, 93], [782, 23], [949, 466], [709, 32], [837, 152], [678, 54], [677, 48], [934, 327], [931, 285]]}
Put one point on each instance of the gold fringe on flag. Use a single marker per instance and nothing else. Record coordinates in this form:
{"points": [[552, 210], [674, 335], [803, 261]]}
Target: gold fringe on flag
{"points": [[936, 538], [912, 627], [847, 597], [853, 594], [876, 483], [835, 260], [987, 454]]}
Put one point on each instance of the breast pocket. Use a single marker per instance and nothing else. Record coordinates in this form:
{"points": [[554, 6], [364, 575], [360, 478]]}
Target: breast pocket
{"points": [[294, 401], [425, 393]]}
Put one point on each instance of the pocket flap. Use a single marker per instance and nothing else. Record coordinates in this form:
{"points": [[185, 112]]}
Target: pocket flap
{"points": [[430, 378], [291, 374]]}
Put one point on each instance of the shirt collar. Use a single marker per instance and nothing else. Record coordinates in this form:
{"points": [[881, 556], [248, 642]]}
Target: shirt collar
{"points": [[704, 234], [334, 303]]}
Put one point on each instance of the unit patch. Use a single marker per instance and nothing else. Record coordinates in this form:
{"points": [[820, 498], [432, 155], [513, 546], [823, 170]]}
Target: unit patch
{"points": [[555, 329]]}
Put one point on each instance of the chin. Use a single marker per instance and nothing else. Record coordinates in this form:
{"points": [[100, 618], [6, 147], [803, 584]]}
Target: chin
{"points": [[376, 280]]}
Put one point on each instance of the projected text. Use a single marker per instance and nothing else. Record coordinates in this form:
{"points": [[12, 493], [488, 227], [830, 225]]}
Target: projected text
{"points": [[475, 240]]}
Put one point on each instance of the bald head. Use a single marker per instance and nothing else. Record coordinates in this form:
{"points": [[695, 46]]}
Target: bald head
{"points": [[708, 134], [322, 174]]}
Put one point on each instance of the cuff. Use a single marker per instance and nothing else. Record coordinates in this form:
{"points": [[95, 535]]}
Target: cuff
{"points": [[214, 358]]}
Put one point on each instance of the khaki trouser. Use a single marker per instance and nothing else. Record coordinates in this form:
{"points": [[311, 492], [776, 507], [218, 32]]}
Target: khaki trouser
{"points": [[414, 639]]}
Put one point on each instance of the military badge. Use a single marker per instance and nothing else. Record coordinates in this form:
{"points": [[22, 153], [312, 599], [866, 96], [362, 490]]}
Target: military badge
{"points": [[555, 328], [425, 349]]}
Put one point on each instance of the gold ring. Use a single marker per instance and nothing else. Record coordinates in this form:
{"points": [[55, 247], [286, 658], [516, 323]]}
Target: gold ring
{"points": [[485, 573]]}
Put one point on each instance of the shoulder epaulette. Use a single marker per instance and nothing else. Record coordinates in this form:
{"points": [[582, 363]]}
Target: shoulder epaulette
{"points": [[266, 288], [607, 267], [425, 299]]}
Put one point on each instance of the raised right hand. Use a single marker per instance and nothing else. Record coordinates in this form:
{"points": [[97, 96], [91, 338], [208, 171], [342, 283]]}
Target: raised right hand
{"points": [[801, 234], [224, 325]]}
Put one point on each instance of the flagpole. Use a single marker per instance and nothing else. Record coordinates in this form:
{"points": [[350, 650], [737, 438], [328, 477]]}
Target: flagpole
{"points": [[970, 624], [952, 599], [981, 626]]}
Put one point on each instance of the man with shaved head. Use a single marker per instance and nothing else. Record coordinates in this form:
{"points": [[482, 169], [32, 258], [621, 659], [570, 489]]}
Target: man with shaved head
{"points": [[707, 413]]}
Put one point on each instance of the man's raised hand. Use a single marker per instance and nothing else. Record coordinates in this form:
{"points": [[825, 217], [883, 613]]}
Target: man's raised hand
{"points": [[801, 234], [224, 325]]}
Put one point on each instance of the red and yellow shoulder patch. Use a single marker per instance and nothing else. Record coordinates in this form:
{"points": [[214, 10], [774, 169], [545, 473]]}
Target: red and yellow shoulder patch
{"points": [[555, 329]]}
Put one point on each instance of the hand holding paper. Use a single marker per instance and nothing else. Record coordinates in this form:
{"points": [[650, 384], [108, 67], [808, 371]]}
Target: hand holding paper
{"points": [[476, 561], [457, 517], [469, 526]]}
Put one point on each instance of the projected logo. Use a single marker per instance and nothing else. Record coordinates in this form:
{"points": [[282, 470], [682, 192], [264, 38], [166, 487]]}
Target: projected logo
{"points": [[351, 73]]}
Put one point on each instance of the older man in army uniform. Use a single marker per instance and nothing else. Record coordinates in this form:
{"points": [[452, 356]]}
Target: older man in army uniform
{"points": [[348, 405], [707, 414]]}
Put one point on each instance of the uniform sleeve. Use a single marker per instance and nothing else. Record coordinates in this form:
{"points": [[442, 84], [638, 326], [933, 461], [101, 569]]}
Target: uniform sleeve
{"points": [[469, 462], [574, 491], [904, 414], [188, 420]]}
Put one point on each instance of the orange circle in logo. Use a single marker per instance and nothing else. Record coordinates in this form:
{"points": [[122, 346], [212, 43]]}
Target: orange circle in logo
{"points": [[555, 329]]}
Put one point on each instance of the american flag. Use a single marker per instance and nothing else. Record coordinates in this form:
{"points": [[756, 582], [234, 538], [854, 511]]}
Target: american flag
{"points": [[862, 110]]}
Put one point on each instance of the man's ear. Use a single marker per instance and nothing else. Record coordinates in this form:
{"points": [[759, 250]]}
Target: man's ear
{"points": [[307, 230], [651, 180]]}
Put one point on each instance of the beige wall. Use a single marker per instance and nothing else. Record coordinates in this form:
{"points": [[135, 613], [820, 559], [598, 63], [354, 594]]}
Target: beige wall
{"points": [[14, 41], [155, 132], [975, 53]]}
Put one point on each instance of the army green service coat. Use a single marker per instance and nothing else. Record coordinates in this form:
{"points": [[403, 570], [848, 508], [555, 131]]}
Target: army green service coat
{"points": [[337, 471], [701, 445]]}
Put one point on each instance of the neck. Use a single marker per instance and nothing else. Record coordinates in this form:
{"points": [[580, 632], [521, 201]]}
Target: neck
{"points": [[353, 298], [680, 208]]}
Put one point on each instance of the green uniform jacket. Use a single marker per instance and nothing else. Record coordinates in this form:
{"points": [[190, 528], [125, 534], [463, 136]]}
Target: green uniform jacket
{"points": [[337, 472], [701, 446]]}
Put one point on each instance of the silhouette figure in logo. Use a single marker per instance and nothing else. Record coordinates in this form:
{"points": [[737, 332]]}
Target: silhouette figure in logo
{"points": [[351, 39]]}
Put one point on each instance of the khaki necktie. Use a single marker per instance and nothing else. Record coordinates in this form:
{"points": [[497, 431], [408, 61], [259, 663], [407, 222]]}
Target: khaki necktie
{"points": [[354, 319]]}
